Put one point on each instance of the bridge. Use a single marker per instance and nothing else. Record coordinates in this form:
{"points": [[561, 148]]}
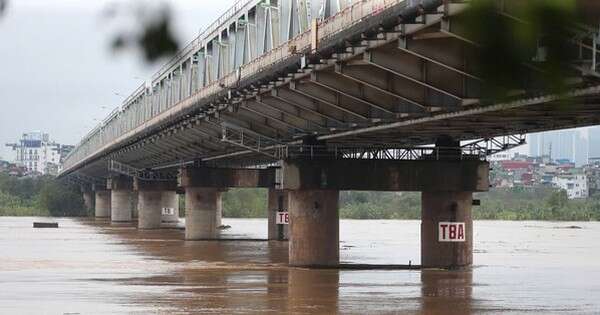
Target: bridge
{"points": [[309, 97]]}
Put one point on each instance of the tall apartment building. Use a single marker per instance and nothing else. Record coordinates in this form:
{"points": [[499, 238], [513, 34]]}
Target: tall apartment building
{"points": [[38, 154]]}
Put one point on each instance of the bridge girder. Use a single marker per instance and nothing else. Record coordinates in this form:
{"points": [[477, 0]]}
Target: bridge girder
{"points": [[372, 87]]}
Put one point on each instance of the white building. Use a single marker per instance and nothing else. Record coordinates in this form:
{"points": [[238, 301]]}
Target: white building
{"points": [[37, 153], [575, 185]]}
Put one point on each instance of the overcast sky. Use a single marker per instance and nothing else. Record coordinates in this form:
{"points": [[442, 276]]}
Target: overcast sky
{"points": [[57, 70]]}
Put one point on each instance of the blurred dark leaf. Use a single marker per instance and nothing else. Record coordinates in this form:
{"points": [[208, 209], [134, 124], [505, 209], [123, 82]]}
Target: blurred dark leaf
{"points": [[157, 40], [3, 5], [119, 42], [526, 48], [110, 11], [589, 10], [154, 37]]}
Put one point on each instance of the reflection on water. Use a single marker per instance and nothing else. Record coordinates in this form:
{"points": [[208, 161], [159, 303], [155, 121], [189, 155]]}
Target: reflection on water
{"points": [[439, 289], [93, 267]]}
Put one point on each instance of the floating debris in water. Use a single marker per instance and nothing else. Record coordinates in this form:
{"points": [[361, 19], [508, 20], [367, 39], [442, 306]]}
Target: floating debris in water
{"points": [[45, 224], [576, 227]]}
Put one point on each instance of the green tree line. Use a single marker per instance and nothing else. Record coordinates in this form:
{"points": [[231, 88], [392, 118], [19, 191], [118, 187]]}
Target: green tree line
{"points": [[498, 204], [39, 196], [45, 196]]}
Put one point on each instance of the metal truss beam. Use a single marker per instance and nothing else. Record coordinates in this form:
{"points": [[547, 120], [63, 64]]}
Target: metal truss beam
{"points": [[363, 81], [335, 104]]}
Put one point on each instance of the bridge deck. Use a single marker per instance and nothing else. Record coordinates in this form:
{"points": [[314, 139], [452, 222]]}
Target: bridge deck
{"points": [[377, 72]]}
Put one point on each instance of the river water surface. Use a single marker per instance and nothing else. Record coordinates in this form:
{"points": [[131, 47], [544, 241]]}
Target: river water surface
{"points": [[91, 267]]}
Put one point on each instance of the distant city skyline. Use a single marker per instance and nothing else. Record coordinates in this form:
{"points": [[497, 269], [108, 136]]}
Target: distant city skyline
{"points": [[577, 145]]}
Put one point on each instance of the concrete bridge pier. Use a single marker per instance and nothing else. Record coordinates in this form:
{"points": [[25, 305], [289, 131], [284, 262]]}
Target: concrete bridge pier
{"points": [[446, 183], [154, 197], [170, 200], [314, 228], [446, 220], [102, 204], [88, 199], [203, 190], [443, 243], [201, 209], [149, 209], [121, 199], [219, 215], [278, 201]]}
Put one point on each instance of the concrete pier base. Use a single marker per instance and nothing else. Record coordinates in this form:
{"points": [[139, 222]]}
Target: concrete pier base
{"points": [[446, 207], [314, 228], [219, 214], [157, 202], [102, 204], [121, 198], [134, 205], [170, 200], [120, 205], [277, 201], [150, 209], [201, 207], [88, 200]]}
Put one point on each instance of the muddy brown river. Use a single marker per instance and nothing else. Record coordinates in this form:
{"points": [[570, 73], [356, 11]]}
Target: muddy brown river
{"points": [[91, 267]]}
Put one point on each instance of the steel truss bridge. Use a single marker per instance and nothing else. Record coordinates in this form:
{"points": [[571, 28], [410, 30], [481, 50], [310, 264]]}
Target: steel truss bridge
{"points": [[376, 79]]}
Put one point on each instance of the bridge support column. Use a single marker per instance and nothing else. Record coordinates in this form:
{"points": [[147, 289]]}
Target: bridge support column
{"points": [[102, 204], [120, 206], [201, 208], [135, 200], [446, 221], [203, 188], [121, 199], [278, 201], [219, 215], [447, 181], [150, 210], [154, 197], [442, 247], [314, 228], [88, 200], [170, 200]]}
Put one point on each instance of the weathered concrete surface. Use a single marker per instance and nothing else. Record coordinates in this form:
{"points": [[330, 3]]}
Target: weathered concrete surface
{"points": [[134, 203], [88, 200], [278, 200], [102, 204], [120, 205], [170, 199], [150, 209], [121, 199], [314, 228], [446, 207], [161, 194], [226, 177], [385, 175], [162, 185], [201, 213], [119, 183], [219, 214]]}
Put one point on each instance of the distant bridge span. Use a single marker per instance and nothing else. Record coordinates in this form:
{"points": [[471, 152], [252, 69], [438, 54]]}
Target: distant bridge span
{"points": [[280, 83]]}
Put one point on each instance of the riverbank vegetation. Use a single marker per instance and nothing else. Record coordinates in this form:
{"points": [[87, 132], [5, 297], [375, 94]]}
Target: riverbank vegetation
{"points": [[497, 204], [39, 196], [44, 196]]}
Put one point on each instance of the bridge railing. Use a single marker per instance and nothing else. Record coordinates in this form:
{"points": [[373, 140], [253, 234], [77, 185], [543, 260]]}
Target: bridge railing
{"points": [[145, 104], [316, 152], [237, 7]]}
